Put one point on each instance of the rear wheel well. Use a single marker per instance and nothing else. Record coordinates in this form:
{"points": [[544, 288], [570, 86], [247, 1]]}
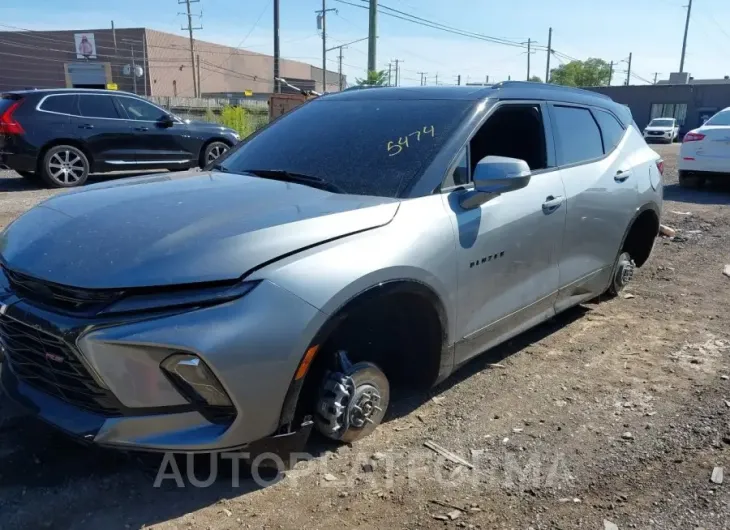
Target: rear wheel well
{"points": [[63, 141], [640, 238], [400, 331]]}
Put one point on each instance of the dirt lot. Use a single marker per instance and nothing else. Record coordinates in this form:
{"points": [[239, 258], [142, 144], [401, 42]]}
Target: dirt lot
{"points": [[611, 413]]}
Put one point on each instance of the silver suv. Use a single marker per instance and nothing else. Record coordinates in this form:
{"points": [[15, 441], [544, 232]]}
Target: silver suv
{"points": [[367, 239]]}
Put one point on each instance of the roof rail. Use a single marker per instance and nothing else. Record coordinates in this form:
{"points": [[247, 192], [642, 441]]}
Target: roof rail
{"points": [[547, 86]]}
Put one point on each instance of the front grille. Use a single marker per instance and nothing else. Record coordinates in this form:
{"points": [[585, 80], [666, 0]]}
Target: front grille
{"points": [[656, 133], [52, 366], [60, 296]]}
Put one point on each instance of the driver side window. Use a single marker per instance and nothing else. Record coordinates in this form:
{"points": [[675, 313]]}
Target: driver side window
{"points": [[513, 130], [139, 110]]}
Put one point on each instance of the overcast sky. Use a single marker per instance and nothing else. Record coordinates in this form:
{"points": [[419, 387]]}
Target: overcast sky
{"points": [[651, 29]]}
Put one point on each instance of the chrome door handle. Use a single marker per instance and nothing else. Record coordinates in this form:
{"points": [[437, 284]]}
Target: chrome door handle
{"points": [[552, 203], [621, 176], [141, 128], [86, 126]]}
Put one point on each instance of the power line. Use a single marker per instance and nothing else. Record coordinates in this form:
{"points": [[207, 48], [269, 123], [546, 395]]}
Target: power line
{"points": [[388, 11]]}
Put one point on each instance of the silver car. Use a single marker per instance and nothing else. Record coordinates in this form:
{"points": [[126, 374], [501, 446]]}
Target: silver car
{"points": [[366, 240]]}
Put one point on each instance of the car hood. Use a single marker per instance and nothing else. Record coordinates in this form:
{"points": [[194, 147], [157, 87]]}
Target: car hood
{"points": [[178, 229]]}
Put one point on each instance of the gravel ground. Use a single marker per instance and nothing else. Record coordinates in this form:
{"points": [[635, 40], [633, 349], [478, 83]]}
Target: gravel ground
{"points": [[612, 413]]}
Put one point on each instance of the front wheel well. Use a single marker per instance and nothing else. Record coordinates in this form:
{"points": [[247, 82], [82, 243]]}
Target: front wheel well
{"points": [[401, 331], [640, 238], [201, 155]]}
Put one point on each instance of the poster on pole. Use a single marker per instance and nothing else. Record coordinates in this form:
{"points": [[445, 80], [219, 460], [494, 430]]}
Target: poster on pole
{"points": [[85, 45]]}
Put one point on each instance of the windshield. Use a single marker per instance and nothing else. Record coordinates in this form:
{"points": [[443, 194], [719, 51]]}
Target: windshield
{"points": [[361, 146], [661, 123], [721, 118]]}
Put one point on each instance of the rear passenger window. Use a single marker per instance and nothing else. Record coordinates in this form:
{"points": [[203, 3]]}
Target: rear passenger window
{"points": [[610, 129], [60, 104], [578, 136], [97, 107]]}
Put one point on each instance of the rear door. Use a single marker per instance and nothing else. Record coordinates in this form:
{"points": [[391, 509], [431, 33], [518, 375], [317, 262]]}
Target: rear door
{"points": [[158, 143], [602, 196], [104, 131]]}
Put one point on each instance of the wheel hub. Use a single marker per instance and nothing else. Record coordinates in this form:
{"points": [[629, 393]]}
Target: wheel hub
{"points": [[625, 271], [364, 404]]}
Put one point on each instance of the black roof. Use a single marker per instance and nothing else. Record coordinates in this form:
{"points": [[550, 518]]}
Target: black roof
{"points": [[46, 91], [503, 90]]}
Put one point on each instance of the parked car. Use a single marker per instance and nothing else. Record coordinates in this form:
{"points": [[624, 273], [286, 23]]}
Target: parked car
{"points": [[705, 152], [364, 240], [662, 130], [60, 136]]}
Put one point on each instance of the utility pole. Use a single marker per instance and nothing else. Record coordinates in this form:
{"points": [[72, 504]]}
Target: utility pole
{"points": [[684, 41], [422, 74], [114, 35], [655, 76], [190, 29], [277, 83], [436, 82], [134, 62], [322, 24], [610, 73], [390, 71], [197, 57], [341, 47], [340, 69], [549, 51], [529, 52], [397, 71], [486, 80], [458, 80], [628, 72], [372, 34]]}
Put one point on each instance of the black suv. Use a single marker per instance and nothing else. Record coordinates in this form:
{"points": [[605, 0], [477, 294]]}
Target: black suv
{"points": [[63, 135]]}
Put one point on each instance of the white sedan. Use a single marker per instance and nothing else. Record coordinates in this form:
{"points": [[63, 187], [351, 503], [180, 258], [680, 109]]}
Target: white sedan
{"points": [[662, 130], [705, 151]]}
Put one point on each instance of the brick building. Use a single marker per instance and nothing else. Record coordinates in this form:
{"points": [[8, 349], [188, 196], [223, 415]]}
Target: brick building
{"points": [[161, 62]]}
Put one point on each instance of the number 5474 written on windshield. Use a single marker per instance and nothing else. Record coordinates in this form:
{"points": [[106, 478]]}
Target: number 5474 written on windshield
{"points": [[396, 148]]}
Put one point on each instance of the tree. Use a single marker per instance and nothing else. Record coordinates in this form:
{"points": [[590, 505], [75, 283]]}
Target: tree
{"points": [[374, 78], [536, 79], [591, 72]]}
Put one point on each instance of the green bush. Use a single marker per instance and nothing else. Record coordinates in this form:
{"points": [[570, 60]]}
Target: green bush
{"points": [[243, 121]]}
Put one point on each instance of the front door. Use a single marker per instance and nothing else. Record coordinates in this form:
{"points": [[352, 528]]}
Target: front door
{"points": [[157, 143], [507, 248]]}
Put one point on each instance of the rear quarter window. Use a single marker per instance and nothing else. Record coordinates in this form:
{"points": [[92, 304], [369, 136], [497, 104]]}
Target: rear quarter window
{"points": [[611, 129], [63, 104]]}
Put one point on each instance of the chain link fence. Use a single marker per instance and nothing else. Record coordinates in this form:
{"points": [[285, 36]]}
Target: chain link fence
{"points": [[244, 116]]}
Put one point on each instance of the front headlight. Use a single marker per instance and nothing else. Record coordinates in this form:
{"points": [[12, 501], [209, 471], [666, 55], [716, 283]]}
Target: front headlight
{"points": [[183, 297]]}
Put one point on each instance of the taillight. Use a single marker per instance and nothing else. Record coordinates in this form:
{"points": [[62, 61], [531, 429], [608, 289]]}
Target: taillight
{"points": [[8, 125], [660, 166], [693, 137]]}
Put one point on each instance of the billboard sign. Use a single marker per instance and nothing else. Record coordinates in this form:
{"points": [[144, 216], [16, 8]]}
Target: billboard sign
{"points": [[85, 45]]}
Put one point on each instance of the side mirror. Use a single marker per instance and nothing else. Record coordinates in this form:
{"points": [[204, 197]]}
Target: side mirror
{"points": [[495, 175], [166, 121]]}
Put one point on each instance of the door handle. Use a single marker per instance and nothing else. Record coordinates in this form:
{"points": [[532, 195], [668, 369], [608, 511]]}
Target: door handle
{"points": [[141, 128], [552, 203], [86, 126], [621, 176]]}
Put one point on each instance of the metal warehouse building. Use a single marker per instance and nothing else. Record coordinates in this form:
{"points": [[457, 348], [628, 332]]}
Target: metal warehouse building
{"points": [[691, 103], [143, 61]]}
